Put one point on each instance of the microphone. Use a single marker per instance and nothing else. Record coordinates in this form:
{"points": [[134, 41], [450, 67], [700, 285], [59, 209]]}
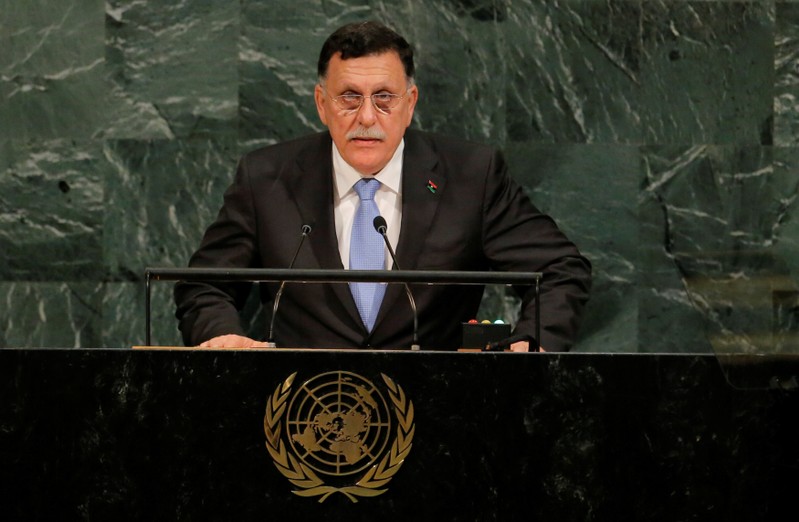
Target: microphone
{"points": [[381, 227], [270, 342]]}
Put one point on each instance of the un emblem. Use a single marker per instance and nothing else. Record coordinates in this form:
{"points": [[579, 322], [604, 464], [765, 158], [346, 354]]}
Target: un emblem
{"points": [[337, 434]]}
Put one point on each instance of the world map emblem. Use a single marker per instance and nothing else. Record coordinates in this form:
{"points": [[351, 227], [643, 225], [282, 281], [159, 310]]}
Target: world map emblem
{"points": [[339, 433]]}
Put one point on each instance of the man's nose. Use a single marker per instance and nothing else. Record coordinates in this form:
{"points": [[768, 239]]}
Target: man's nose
{"points": [[367, 114]]}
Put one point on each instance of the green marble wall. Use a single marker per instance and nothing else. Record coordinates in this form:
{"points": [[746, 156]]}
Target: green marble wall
{"points": [[662, 135]]}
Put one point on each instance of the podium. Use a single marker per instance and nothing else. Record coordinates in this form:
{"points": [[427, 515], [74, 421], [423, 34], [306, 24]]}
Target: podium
{"points": [[186, 435]]}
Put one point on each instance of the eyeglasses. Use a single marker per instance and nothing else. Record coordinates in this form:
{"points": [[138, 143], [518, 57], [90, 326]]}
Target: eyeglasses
{"points": [[381, 101]]}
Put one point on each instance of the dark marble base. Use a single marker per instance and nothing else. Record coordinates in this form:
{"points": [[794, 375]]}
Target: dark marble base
{"points": [[179, 435]]}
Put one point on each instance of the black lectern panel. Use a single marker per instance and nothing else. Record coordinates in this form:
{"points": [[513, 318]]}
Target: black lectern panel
{"points": [[186, 435]]}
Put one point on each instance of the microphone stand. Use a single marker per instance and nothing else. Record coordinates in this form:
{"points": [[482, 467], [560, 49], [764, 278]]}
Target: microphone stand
{"points": [[381, 227], [270, 341]]}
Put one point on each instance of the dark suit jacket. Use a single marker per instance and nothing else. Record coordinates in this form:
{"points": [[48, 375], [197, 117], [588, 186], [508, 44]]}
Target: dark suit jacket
{"points": [[477, 219]]}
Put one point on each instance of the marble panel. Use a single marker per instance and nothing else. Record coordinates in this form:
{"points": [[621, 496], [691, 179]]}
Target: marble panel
{"points": [[573, 71], [67, 314], [786, 248], [160, 198], [51, 211], [51, 80], [667, 320], [786, 66], [123, 306], [712, 217], [707, 72], [590, 190], [171, 68]]}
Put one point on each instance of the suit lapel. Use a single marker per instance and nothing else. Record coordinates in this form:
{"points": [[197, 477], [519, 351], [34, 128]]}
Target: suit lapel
{"points": [[312, 190], [422, 188]]}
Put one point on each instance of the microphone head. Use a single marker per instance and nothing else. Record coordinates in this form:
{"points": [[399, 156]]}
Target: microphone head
{"points": [[306, 229], [380, 225]]}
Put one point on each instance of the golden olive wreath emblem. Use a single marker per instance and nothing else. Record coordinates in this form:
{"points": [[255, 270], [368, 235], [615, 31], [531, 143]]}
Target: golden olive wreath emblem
{"points": [[336, 434]]}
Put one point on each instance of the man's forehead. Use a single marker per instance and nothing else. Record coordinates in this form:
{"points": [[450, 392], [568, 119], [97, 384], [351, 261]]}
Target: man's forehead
{"points": [[386, 64]]}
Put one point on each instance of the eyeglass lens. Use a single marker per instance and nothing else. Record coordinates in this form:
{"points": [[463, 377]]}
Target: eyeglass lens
{"points": [[382, 101]]}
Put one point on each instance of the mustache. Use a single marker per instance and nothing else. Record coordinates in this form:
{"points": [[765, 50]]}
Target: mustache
{"points": [[371, 133]]}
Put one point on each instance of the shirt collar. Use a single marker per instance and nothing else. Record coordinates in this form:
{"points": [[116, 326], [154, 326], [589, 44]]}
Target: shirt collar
{"points": [[346, 176]]}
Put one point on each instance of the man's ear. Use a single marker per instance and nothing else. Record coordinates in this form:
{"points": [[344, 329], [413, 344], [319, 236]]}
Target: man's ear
{"points": [[413, 97], [319, 98]]}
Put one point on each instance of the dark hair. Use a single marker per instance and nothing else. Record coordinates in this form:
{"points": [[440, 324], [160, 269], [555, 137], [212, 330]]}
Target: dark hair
{"points": [[364, 39]]}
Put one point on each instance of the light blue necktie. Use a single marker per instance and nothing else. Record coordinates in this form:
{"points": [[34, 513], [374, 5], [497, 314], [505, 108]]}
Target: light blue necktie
{"points": [[367, 252]]}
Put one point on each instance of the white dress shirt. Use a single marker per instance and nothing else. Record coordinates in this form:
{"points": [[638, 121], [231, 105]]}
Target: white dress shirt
{"points": [[388, 199]]}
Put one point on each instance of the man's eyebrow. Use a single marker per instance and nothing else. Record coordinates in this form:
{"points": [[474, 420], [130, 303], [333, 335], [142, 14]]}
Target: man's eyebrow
{"points": [[379, 88], [349, 88]]}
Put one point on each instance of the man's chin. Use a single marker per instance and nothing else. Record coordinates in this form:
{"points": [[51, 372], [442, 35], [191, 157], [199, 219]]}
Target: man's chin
{"points": [[367, 166]]}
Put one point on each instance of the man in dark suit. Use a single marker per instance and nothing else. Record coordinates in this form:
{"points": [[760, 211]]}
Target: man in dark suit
{"points": [[449, 205]]}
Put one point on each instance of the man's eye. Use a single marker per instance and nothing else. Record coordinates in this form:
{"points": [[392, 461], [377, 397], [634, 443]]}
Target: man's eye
{"points": [[383, 98]]}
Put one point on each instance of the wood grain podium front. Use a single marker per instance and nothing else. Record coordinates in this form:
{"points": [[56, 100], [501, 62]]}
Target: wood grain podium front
{"points": [[364, 435]]}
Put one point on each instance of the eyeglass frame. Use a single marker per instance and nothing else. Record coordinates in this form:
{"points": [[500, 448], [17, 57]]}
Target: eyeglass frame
{"points": [[397, 97]]}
